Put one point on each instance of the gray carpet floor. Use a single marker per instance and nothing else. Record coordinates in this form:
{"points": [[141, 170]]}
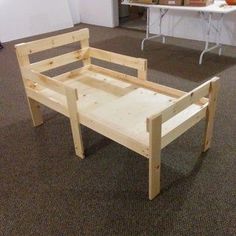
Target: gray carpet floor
{"points": [[46, 190]]}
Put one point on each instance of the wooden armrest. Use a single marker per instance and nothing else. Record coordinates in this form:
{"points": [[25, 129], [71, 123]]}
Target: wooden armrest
{"points": [[45, 81], [64, 59]]}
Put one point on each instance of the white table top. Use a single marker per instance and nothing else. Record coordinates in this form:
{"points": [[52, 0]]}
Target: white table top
{"points": [[213, 8]]}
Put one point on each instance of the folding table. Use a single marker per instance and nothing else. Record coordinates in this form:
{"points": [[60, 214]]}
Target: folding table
{"points": [[206, 13]]}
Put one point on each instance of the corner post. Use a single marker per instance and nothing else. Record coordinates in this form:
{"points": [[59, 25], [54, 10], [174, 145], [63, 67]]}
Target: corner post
{"points": [[213, 93], [34, 106], [72, 97], [154, 127]]}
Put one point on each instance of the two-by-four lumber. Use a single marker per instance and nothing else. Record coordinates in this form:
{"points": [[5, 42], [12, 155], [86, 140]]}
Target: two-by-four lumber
{"points": [[133, 80], [214, 89], [61, 60], [43, 80], [186, 100], [155, 156], [52, 42], [139, 64], [72, 97]]}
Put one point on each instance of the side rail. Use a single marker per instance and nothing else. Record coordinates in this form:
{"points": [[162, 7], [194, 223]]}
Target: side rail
{"points": [[207, 109], [139, 64], [43, 80]]}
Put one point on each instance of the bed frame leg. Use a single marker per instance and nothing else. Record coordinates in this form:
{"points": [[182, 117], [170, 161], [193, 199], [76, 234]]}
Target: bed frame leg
{"points": [[155, 156], [35, 112], [214, 88], [77, 138], [72, 98]]}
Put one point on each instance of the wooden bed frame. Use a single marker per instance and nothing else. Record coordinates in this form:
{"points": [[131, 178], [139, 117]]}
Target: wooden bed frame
{"points": [[141, 115]]}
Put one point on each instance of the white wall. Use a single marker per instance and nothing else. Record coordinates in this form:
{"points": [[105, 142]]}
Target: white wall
{"points": [[99, 12], [74, 6], [188, 25], [22, 18]]}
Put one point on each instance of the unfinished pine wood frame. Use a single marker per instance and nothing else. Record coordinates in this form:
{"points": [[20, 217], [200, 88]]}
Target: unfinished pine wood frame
{"points": [[140, 115]]}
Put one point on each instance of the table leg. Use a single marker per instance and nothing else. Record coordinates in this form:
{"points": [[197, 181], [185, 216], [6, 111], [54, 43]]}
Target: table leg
{"points": [[147, 28], [207, 17], [220, 24], [162, 14]]}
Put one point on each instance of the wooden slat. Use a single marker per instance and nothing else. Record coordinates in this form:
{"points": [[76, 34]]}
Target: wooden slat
{"points": [[43, 80], [132, 62], [52, 42], [141, 83], [190, 98], [171, 133], [61, 60]]}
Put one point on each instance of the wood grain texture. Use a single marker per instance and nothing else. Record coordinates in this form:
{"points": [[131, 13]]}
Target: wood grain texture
{"points": [[214, 90]]}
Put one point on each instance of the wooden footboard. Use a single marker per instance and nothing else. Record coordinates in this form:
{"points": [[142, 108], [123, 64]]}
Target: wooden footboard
{"points": [[141, 115]]}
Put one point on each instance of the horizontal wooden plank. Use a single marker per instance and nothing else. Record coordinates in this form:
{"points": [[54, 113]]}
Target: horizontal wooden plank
{"points": [[61, 60], [132, 62], [173, 131], [142, 83], [43, 80], [51, 42]]}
